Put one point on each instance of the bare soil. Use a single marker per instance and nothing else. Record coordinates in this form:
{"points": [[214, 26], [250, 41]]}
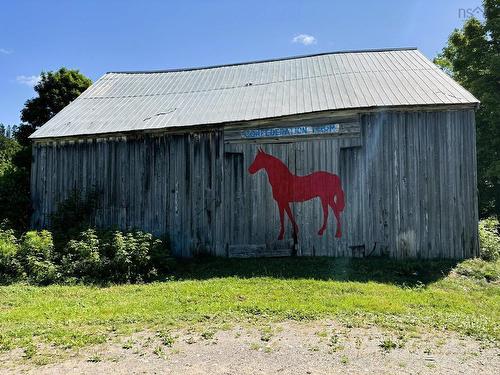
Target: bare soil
{"points": [[285, 348]]}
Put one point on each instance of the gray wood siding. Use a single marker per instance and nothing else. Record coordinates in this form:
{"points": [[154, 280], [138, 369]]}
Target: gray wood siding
{"points": [[419, 176], [409, 180], [160, 184]]}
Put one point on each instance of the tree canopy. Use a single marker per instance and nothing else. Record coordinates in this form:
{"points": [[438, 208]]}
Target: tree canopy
{"points": [[8, 148], [14, 191], [54, 91], [472, 57]]}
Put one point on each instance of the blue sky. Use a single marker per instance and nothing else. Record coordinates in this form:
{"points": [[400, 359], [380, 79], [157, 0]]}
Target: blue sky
{"points": [[96, 36]]}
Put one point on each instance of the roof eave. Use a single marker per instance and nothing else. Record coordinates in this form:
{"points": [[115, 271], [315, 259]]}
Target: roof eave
{"points": [[252, 122]]}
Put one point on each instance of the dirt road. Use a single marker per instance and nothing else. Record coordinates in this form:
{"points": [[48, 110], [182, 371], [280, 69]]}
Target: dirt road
{"points": [[284, 348]]}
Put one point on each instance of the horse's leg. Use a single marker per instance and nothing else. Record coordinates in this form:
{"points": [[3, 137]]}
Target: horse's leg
{"points": [[292, 219], [336, 212], [282, 221], [324, 203]]}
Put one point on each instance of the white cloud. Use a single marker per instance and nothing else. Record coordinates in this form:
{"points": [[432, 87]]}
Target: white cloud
{"points": [[28, 80], [304, 39], [4, 51]]}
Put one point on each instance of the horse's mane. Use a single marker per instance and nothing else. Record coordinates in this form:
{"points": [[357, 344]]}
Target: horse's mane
{"points": [[276, 163]]}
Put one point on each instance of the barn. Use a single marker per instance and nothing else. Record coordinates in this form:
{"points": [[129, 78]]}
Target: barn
{"points": [[354, 153]]}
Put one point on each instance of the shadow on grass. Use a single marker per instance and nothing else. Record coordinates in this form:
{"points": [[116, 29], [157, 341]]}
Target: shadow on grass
{"points": [[382, 270], [409, 272]]}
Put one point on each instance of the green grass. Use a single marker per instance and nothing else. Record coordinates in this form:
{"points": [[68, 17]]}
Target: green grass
{"points": [[211, 293]]}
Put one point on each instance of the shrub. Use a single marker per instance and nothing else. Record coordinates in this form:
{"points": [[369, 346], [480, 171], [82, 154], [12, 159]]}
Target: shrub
{"points": [[82, 256], [92, 256], [112, 256], [131, 256], [36, 257], [489, 239], [10, 269]]}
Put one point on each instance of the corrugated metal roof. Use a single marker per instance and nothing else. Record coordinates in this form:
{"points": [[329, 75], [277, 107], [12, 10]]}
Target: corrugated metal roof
{"points": [[129, 101]]}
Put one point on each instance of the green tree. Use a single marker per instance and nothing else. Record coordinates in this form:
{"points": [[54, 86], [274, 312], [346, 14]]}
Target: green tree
{"points": [[472, 57], [54, 91], [8, 148], [14, 196]]}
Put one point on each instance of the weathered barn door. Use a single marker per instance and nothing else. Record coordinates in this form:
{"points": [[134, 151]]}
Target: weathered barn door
{"points": [[191, 186], [265, 189], [234, 208], [248, 215]]}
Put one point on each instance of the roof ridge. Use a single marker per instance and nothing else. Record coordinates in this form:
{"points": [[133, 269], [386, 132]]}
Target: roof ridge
{"points": [[261, 61], [242, 85]]}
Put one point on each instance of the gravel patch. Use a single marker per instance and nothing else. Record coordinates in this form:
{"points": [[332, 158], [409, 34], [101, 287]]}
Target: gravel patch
{"points": [[284, 348]]}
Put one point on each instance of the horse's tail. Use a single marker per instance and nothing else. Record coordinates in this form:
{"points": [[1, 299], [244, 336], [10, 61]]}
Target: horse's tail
{"points": [[338, 200]]}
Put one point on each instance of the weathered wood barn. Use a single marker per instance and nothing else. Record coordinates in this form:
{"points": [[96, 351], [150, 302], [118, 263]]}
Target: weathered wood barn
{"points": [[355, 153]]}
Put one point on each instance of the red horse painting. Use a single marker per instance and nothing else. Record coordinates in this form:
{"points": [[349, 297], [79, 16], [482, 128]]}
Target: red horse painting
{"points": [[288, 187]]}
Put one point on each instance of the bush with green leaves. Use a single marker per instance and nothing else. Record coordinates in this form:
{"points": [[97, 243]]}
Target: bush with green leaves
{"points": [[82, 257], [10, 269], [93, 256], [112, 256], [131, 256], [489, 239], [36, 254]]}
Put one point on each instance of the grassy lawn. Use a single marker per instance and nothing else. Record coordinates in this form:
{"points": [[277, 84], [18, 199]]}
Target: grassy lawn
{"points": [[216, 293]]}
